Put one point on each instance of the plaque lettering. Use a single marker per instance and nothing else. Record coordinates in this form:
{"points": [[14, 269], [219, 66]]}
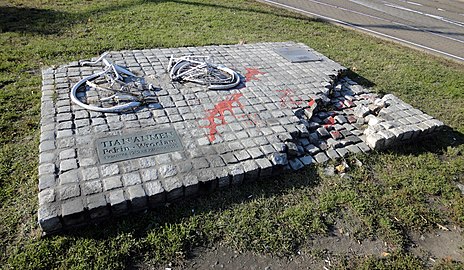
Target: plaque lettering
{"points": [[135, 145]]}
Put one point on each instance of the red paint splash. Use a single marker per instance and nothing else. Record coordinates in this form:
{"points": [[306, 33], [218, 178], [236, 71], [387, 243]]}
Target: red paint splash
{"points": [[330, 121], [251, 74], [218, 112], [311, 102], [287, 99]]}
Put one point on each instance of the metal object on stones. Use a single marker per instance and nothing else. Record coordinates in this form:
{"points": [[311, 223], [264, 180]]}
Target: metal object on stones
{"points": [[197, 69], [297, 55], [135, 145]]}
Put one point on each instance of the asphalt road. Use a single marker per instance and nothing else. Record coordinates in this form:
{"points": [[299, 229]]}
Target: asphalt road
{"points": [[435, 26]]}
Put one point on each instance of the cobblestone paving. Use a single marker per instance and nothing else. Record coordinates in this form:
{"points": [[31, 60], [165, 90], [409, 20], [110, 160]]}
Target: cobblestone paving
{"points": [[283, 116]]}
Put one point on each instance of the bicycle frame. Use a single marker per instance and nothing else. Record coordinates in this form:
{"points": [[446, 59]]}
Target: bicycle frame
{"points": [[114, 74], [202, 72]]}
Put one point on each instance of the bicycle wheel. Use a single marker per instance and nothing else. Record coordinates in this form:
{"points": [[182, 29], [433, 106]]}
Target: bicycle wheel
{"points": [[81, 85]]}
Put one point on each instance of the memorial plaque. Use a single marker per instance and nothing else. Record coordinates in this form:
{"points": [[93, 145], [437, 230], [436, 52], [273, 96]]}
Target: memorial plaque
{"points": [[135, 145], [297, 55]]}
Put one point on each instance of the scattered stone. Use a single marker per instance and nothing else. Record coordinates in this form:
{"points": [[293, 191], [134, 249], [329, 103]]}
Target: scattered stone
{"points": [[307, 160], [361, 111], [336, 134], [296, 164], [321, 157], [329, 170], [278, 159], [322, 132], [292, 149], [312, 149]]}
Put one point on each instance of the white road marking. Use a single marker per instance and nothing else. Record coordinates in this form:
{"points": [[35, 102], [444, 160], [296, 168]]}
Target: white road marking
{"points": [[382, 19], [364, 29], [413, 3], [461, 24]]}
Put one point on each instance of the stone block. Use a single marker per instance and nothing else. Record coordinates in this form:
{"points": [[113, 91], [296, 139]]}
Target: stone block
{"points": [[69, 191], [117, 202], [155, 192], [251, 170], [72, 212], [237, 175], [321, 157], [112, 182], [46, 181], [307, 160], [48, 218], [91, 187], [137, 197], [292, 149], [296, 164], [97, 206], [191, 185], [130, 179], [278, 159], [375, 141], [332, 154], [342, 152], [353, 149], [87, 174], [46, 196]]}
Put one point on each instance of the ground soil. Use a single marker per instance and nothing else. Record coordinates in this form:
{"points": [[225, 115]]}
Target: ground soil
{"points": [[324, 252]]}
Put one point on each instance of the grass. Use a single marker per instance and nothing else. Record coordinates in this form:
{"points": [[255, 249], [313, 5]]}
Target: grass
{"points": [[409, 188]]}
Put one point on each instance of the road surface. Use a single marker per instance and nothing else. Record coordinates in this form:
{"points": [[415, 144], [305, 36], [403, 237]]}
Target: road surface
{"points": [[435, 26]]}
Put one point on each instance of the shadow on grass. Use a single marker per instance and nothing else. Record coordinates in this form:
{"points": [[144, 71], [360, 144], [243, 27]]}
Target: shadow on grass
{"points": [[358, 78], [48, 21], [211, 199], [33, 20], [436, 143]]}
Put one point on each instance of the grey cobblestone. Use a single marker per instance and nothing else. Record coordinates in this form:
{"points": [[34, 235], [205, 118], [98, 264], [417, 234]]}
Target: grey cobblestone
{"points": [[91, 187], [155, 192], [227, 136], [137, 197], [89, 173], [130, 179], [69, 191], [46, 181], [97, 206], [72, 211], [117, 201], [109, 170], [47, 196], [296, 164], [112, 182], [321, 157]]}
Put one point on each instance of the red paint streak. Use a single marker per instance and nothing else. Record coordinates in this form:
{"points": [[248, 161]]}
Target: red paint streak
{"points": [[287, 99], [331, 120], [311, 102], [251, 74], [218, 112]]}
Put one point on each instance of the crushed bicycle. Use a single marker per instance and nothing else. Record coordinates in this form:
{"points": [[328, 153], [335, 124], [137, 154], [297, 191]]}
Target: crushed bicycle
{"points": [[198, 69], [113, 90]]}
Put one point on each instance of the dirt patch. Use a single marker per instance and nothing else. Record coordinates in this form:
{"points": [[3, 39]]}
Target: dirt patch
{"points": [[439, 244], [320, 252], [325, 252]]}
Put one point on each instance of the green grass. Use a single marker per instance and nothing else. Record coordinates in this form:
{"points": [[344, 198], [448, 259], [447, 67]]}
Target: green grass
{"points": [[410, 188]]}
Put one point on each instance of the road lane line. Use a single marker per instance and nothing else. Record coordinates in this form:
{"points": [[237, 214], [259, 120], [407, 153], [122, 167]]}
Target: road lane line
{"points": [[458, 23], [364, 29]]}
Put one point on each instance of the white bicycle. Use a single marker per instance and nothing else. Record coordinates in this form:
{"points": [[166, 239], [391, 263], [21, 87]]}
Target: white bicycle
{"points": [[197, 69], [113, 90]]}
